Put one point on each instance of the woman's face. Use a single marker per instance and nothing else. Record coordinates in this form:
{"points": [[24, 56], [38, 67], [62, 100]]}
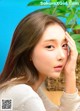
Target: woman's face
{"points": [[50, 54]]}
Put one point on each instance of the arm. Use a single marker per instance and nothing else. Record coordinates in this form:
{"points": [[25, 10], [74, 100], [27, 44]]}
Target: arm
{"points": [[69, 69], [70, 100]]}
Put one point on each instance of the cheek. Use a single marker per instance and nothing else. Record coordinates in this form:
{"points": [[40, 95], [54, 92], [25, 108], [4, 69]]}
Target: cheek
{"points": [[66, 53], [43, 60]]}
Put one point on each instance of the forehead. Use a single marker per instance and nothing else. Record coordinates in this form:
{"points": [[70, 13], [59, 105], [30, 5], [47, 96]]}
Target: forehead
{"points": [[53, 31]]}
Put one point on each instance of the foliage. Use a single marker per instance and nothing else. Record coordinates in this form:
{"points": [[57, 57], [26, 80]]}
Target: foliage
{"points": [[67, 9]]}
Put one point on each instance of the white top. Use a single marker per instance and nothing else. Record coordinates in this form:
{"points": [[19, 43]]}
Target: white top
{"points": [[24, 98]]}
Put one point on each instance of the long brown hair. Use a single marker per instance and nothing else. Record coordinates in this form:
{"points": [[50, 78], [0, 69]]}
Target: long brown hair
{"points": [[18, 67]]}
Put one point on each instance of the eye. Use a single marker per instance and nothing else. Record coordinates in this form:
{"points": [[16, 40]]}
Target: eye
{"points": [[65, 45], [50, 47]]}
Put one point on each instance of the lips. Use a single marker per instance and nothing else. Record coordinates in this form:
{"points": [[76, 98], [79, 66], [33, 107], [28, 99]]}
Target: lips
{"points": [[58, 68]]}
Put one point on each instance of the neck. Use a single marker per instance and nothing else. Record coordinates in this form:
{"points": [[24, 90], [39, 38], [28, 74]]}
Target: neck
{"points": [[38, 83]]}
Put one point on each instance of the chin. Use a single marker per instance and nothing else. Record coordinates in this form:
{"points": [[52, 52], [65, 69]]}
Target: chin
{"points": [[56, 75]]}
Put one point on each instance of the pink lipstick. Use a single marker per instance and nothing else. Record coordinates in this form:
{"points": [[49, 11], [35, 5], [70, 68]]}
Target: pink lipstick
{"points": [[58, 68]]}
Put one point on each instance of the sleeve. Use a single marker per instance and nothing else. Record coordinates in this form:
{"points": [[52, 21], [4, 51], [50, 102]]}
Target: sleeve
{"points": [[68, 102]]}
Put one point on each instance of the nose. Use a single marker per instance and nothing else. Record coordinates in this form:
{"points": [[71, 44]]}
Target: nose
{"points": [[60, 54]]}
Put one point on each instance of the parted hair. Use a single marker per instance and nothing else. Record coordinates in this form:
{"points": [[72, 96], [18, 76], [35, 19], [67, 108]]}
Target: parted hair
{"points": [[18, 67]]}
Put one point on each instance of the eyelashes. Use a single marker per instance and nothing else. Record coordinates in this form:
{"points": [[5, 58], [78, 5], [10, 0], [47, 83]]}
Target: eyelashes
{"points": [[52, 47], [65, 45]]}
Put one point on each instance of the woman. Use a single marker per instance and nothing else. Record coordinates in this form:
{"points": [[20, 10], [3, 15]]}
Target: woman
{"points": [[40, 48]]}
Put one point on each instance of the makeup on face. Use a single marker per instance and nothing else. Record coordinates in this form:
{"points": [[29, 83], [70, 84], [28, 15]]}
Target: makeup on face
{"points": [[50, 54], [58, 68]]}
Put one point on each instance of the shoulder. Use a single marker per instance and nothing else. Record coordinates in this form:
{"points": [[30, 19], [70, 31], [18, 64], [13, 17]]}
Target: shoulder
{"points": [[22, 90], [23, 96], [19, 93], [27, 98]]}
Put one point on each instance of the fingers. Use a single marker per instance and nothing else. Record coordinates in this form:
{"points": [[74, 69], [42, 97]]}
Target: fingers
{"points": [[71, 43], [70, 40], [69, 37]]}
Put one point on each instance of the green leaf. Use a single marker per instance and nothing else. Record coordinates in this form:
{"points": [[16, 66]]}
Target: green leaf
{"points": [[69, 18], [69, 0], [53, 0], [35, 3], [76, 27], [68, 25], [76, 37], [78, 13], [78, 46], [69, 3], [62, 9], [60, 15]]}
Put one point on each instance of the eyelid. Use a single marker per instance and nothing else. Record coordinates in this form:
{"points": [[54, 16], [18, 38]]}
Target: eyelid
{"points": [[65, 44], [50, 47]]}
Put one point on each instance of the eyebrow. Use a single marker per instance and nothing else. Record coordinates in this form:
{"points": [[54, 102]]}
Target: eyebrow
{"points": [[53, 40]]}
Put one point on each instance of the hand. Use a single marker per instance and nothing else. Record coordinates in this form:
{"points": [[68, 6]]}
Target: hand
{"points": [[70, 66], [72, 57]]}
